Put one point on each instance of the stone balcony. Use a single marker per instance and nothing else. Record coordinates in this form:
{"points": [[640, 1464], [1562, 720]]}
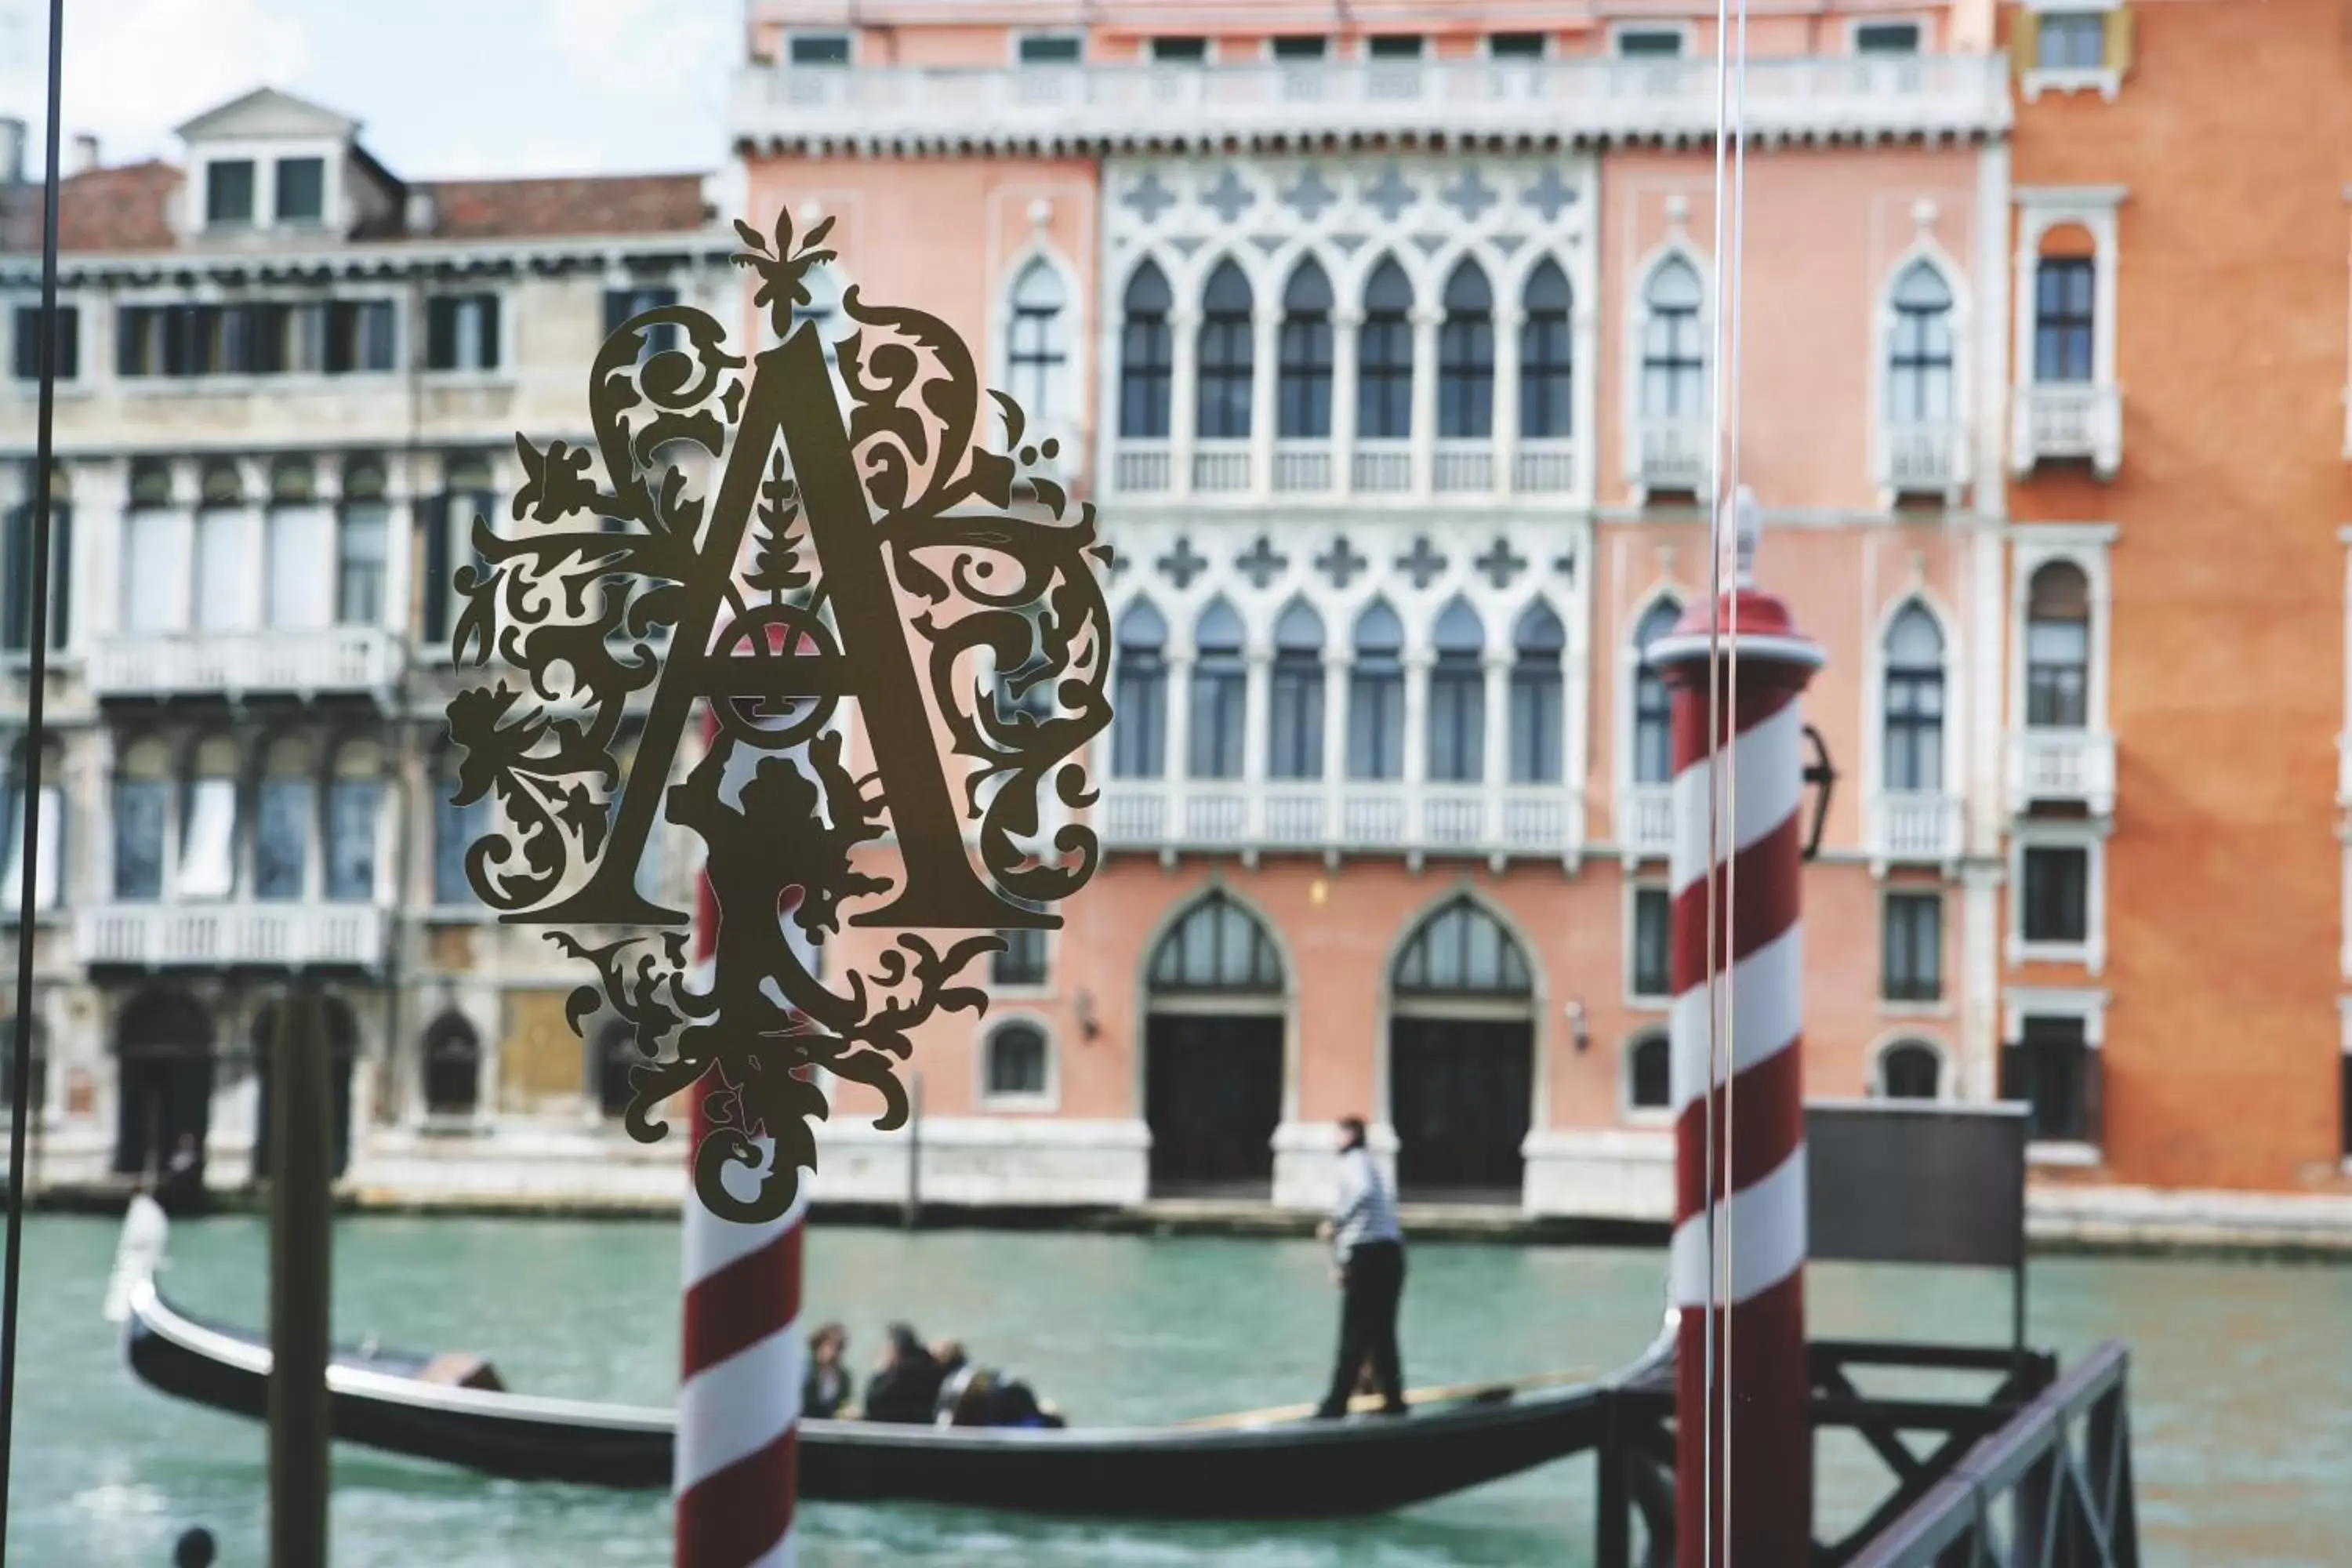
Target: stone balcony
{"points": [[2069, 422], [1595, 102], [1913, 828], [2062, 767], [1645, 821], [1392, 472], [1357, 816], [233, 665], [1672, 456], [1924, 457], [216, 936]]}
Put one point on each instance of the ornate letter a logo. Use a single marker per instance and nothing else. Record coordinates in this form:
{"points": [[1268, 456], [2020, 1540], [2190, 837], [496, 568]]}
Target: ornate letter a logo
{"points": [[733, 542]]}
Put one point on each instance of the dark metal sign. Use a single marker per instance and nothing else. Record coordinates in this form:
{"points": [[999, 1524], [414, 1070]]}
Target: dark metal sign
{"points": [[748, 534]]}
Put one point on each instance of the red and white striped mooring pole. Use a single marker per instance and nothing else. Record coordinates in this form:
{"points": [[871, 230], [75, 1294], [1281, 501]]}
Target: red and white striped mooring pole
{"points": [[1743, 1465], [736, 1475]]}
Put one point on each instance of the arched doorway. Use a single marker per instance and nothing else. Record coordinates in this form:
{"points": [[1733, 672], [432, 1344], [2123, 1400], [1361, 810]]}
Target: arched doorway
{"points": [[163, 1064], [1213, 1054], [452, 1068], [1461, 1059], [342, 1051]]}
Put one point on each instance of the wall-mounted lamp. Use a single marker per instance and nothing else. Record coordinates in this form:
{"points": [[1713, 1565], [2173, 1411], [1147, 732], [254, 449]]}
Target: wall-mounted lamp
{"points": [[1088, 1025], [1579, 1034]]}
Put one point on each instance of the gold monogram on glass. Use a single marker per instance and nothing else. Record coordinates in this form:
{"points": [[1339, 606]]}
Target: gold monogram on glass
{"points": [[867, 574]]}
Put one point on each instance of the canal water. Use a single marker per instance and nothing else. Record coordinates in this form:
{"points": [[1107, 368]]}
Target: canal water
{"points": [[2242, 1386]]}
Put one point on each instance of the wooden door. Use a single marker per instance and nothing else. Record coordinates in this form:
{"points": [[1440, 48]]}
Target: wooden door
{"points": [[1461, 1096], [1213, 1097]]}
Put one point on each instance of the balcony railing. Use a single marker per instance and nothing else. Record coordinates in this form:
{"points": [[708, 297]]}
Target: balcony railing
{"points": [[238, 663], [1384, 468], [1464, 467], [1302, 468], [1141, 468], [1546, 467], [1674, 454], [1583, 102], [1913, 828], [1925, 457], [1221, 468], [1645, 821], [2062, 767], [1360, 817], [2070, 421], [274, 936]]}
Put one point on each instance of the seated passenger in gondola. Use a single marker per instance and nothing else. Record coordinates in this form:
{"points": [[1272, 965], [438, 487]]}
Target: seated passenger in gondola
{"points": [[826, 1388], [906, 1387]]}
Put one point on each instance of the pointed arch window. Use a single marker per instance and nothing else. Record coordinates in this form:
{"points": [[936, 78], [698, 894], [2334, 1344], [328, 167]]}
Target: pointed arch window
{"points": [[1673, 351], [455, 829], [1138, 729], [142, 809], [1147, 357], [1919, 361], [48, 853], [1219, 694], [1465, 356], [1040, 343], [1457, 698], [1654, 758], [1915, 702], [1376, 696], [1227, 358], [208, 826], [1303, 389], [1294, 740], [1537, 642], [281, 835], [1547, 355], [1462, 948], [2058, 649], [1384, 356], [1217, 946]]}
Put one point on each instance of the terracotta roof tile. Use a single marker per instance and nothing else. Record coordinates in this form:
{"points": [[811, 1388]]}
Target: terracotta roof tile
{"points": [[125, 208], [517, 209]]}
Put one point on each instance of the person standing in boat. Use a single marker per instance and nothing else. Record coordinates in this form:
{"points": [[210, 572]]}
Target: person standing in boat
{"points": [[1367, 1247]]}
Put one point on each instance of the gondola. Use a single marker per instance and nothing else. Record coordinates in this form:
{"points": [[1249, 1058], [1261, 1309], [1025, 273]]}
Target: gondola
{"points": [[451, 1410]]}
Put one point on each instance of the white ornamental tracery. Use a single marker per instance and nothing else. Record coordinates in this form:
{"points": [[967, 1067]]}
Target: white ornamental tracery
{"points": [[1262, 569], [1269, 217]]}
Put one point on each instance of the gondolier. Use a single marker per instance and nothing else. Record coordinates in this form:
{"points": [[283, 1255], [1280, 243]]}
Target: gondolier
{"points": [[1367, 1247]]}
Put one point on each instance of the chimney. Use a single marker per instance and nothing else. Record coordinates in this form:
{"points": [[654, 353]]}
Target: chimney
{"points": [[12, 152], [420, 213], [85, 156]]}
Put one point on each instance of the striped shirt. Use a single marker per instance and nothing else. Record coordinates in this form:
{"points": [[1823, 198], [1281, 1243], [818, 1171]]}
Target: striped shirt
{"points": [[1364, 1211]]}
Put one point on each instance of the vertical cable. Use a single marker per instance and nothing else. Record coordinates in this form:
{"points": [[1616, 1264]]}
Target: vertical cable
{"points": [[1718, 1170], [36, 680], [1736, 267]]}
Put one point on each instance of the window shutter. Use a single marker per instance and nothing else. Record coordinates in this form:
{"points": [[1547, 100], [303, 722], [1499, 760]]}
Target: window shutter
{"points": [[616, 310], [441, 334], [2024, 41], [68, 342], [342, 327], [437, 570], [2119, 40], [2094, 1095], [60, 572], [15, 596], [491, 347], [2013, 1071]]}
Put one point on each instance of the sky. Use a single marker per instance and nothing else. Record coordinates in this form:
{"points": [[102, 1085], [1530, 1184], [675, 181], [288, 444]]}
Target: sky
{"points": [[443, 89]]}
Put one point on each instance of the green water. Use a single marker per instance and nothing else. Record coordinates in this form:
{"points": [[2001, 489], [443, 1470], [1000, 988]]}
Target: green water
{"points": [[2242, 1386]]}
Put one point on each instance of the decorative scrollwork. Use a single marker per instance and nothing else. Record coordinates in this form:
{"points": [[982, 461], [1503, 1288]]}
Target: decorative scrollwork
{"points": [[733, 541]]}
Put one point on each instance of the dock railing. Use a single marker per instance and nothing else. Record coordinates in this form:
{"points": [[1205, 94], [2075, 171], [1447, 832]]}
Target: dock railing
{"points": [[2052, 1488]]}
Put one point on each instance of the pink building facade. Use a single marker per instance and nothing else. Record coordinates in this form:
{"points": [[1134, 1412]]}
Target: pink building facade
{"points": [[1385, 346]]}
